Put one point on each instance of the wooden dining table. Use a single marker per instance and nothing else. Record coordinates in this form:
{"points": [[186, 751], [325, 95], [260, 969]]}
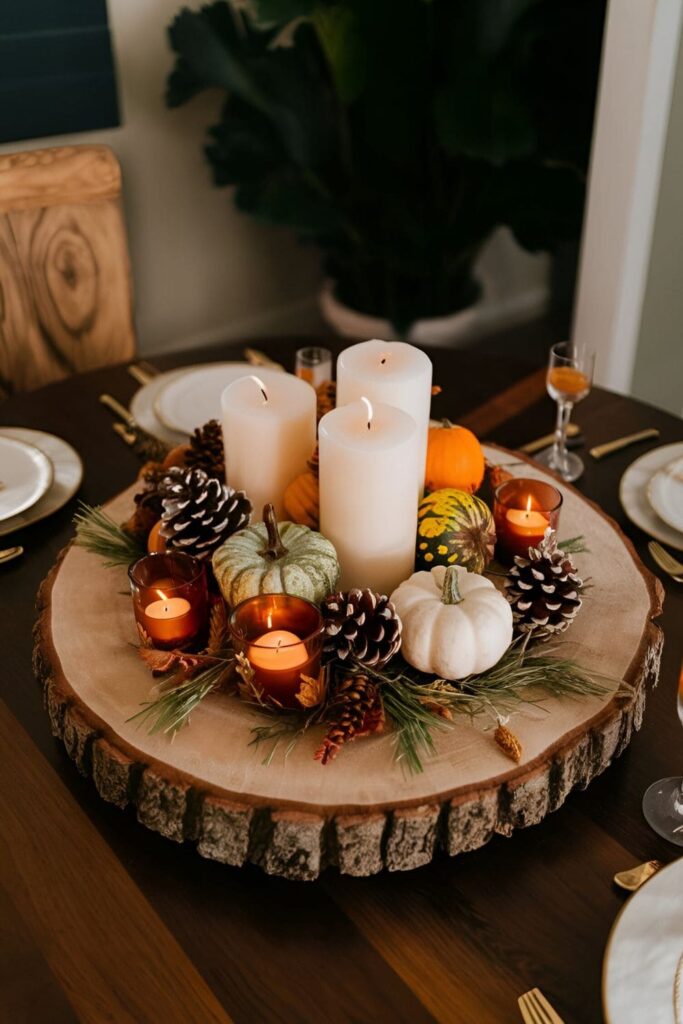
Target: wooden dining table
{"points": [[103, 920]]}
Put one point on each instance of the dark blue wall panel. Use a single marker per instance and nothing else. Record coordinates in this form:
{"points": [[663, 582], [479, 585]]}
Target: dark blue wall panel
{"points": [[56, 68]]}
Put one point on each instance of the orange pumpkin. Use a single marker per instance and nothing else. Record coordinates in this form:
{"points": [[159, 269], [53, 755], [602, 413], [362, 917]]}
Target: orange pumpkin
{"points": [[156, 545], [454, 459], [302, 497]]}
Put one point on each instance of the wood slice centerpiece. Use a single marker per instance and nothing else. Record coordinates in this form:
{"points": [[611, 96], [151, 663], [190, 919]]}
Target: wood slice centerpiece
{"points": [[362, 813]]}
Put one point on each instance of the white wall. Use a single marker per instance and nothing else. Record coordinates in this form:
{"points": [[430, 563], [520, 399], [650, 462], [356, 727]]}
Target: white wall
{"points": [[633, 230], [202, 271]]}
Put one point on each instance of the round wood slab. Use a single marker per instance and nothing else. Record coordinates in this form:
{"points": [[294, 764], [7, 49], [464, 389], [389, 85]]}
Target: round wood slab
{"points": [[362, 812]]}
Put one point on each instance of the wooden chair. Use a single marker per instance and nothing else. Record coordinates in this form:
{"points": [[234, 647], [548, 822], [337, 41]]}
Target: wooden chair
{"points": [[65, 287]]}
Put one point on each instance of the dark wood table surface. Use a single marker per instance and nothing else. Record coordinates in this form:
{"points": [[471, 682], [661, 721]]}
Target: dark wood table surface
{"points": [[102, 920]]}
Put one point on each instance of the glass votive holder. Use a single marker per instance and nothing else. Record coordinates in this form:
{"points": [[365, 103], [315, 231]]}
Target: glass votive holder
{"points": [[523, 509], [281, 637], [314, 365], [170, 598]]}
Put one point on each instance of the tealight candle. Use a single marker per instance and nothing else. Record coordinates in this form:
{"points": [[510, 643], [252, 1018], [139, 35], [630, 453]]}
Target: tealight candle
{"points": [[393, 373], [281, 637], [523, 510], [368, 459], [269, 434], [170, 598]]}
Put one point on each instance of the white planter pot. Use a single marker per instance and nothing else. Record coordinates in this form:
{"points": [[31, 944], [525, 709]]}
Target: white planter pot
{"points": [[445, 331]]}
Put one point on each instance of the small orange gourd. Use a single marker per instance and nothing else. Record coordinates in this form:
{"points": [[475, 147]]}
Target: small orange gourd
{"points": [[156, 545], [301, 499], [454, 459]]}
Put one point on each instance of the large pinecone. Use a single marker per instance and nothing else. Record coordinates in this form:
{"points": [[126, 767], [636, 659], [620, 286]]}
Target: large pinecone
{"points": [[200, 512], [355, 710], [206, 450], [543, 589], [363, 625]]}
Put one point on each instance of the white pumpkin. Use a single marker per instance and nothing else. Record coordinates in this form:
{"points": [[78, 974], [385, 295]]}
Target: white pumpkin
{"points": [[455, 623]]}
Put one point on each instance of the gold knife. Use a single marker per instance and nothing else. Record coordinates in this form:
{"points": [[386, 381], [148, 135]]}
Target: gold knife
{"points": [[601, 450], [543, 442], [255, 357]]}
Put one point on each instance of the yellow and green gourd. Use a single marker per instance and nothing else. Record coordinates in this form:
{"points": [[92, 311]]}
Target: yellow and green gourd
{"points": [[276, 558], [454, 528]]}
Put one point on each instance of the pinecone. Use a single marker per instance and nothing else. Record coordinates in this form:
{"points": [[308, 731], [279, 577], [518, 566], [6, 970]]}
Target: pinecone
{"points": [[355, 711], [147, 501], [200, 512], [206, 450], [327, 397], [543, 589], [362, 625]]}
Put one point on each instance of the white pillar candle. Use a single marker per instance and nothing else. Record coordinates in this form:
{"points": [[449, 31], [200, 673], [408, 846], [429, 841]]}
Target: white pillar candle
{"points": [[394, 373], [368, 457], [269, 434]]}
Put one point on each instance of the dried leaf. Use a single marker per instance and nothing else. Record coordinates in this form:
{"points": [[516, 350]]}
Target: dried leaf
{"points": [[161, 662], [312, 691], [218, 628], [437, 709], [508, 743], [145, 638]]}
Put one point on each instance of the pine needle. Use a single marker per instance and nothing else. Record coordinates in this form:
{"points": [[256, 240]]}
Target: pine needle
{"points": [[98, 533], [173, 708], [573, 545]]}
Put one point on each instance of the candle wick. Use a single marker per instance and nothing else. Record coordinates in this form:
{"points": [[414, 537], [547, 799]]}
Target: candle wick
{"points": [[383, 360], [261, 385]]}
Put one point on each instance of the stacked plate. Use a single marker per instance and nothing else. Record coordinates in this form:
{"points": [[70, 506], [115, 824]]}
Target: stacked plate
{"points": [[171, 405], [38, 474], [651, 493]]}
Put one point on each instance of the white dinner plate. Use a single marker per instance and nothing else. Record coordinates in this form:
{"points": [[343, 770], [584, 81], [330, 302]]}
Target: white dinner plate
{"points": [[67, 476], [25, 475], [644, 954], [665, 494], [633, 493], [193, 397]]}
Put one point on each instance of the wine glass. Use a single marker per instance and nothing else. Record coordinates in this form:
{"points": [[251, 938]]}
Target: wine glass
{"points": [[663, 801], [569, 378]]}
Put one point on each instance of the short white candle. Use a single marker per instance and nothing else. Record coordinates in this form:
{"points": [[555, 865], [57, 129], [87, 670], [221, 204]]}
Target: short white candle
{"points": [[394, 373], [269, 434], [368, 503]]}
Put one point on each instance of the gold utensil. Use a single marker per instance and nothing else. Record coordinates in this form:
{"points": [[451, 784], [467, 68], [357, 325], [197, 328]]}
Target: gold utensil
{"points": [[536, 1009], [116, 407], [255, 357], [10, 553], [142, 372], [130, 431], [671, 566], [543, 442], [601, 450], [633, 878]]}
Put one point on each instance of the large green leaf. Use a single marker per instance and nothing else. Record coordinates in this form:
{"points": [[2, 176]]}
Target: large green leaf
{"points": [[210, 55], [287, 198], [345, 48]]}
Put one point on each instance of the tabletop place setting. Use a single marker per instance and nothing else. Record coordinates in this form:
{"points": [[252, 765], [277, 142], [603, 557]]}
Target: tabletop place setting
{"points": [[318, 600]]}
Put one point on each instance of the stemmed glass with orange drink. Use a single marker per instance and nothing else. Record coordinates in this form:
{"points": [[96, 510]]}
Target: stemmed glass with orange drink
{"points": [[569, 378]]}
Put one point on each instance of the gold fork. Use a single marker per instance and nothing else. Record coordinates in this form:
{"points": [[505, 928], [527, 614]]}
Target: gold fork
{"points": [[665, 561], [536, 1009]]}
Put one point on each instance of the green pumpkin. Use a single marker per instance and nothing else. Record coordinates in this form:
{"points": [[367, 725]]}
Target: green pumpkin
{"points": [[454, 528], [272, 558]]}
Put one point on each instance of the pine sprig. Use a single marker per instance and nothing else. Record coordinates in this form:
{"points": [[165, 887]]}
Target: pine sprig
{"points": [[573, 545], [98, 533], [173, 707]]}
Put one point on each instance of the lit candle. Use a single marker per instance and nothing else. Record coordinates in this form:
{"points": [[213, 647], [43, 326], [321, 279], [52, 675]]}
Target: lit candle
{"points": [[527, 523], [523, 509], [170, 619], [277, 651], [393, 373], [269, 434], [368, 458]]}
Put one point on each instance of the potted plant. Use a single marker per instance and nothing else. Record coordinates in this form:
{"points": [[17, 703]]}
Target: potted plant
{"points": [[397, 135]]}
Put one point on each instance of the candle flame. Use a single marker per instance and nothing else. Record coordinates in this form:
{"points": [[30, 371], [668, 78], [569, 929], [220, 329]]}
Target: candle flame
{"points": [[260, 384], [162, 595], [368, 406], [269, 621], [528, 504]]}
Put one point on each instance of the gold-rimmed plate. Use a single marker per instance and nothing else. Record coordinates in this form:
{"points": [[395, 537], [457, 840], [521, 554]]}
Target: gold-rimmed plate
{"points": [[25, 475], [67, 476]]}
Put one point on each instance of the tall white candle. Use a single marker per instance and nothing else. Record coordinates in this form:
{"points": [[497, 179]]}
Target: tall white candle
{"points": [[368, 458], [269, 434], [394, 373]]}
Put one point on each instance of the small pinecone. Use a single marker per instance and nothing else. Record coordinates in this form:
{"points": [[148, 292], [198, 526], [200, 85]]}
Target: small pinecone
{"points": [[543, 589], [200, 512], [363, 625], [148, 507], [355, 709], [206, 450], [327, 397]]}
